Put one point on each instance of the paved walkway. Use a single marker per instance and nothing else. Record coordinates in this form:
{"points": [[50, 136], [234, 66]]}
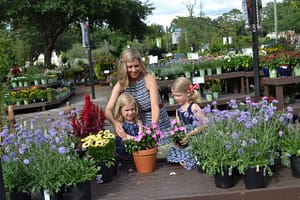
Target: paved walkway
{"points": [[77, 100]]}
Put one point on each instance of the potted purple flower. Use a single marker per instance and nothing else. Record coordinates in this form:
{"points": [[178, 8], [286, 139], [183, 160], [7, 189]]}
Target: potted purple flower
{"points": [[42, 158]]}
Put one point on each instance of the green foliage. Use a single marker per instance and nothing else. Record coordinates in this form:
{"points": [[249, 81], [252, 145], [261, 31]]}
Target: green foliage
{"points": [[289, 140], [101, 147], [86, 169], [176, 132], [33, 72], [32, 16], [245, 135], [147, 139], [7, 58], [43, 158]]}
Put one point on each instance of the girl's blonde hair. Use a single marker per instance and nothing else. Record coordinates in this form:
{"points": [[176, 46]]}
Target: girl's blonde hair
{"points": [[124, 100], [129, 55], [183, 85]]}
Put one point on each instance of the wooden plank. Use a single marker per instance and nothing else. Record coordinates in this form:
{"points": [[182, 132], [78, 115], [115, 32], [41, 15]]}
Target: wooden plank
{"points": [[280, 80]]}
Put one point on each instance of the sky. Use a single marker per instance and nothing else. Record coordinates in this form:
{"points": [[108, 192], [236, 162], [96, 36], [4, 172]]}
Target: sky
{"points": [[166, 10]]}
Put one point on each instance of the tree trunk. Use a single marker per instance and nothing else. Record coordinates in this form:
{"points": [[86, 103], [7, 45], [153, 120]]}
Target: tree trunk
{"points": [[48, 48], [48, 53]]}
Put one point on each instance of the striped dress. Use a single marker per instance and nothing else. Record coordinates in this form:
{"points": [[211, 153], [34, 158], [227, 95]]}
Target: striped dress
{"points": [[142, 96]]}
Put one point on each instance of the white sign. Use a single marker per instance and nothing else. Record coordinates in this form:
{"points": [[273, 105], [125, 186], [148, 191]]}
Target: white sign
{"points": [[175, 37], [153, 59], [192, 56], [198, 79], [227, 40]]}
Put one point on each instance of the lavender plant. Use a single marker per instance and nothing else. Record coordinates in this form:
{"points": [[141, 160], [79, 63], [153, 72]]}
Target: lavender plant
{"points": [[43, 157], [242, 136]]}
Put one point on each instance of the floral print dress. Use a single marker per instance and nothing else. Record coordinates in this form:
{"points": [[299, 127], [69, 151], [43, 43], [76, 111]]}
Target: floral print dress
{"points": [[179, 154]]}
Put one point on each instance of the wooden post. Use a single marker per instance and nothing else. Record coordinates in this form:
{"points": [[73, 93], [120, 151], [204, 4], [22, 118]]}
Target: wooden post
{"points": [[11, 116]]}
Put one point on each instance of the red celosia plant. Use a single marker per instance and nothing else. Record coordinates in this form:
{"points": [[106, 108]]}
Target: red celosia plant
{"points": [[16, 71], [90, 121]]}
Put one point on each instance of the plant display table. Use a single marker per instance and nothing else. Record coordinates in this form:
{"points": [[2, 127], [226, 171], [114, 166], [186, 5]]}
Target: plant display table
{"points": [[279, 84], [240, 87], [51, 101]]}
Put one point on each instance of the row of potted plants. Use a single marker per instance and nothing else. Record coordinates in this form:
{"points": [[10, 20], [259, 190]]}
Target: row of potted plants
{"points": [[56, 155], [34, 94], [249, 135], [229, 63], [43, 158], [23, 81], [282, 63]]}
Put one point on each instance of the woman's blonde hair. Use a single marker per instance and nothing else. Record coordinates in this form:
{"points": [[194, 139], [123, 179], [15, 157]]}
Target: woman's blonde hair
{"points": [[184, 85], [123, 100], [129, 55]]}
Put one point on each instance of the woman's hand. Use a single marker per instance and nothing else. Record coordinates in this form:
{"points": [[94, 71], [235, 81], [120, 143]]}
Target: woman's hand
{"points": [[119, 130]]}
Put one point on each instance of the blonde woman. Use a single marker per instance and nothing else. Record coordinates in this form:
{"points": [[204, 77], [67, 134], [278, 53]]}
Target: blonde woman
{"points": [[133, 78]]}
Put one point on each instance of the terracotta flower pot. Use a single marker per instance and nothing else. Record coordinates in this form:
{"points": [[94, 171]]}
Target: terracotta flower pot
{"points": [[145, 160]]}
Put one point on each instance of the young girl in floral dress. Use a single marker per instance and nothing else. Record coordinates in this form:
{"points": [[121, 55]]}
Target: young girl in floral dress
{"points": [[126, 111], [188, 114]]}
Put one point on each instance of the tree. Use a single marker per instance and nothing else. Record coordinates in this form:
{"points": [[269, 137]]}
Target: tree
{"points": [[51, 18], [190, 6], [287, 16], [7, 57]]}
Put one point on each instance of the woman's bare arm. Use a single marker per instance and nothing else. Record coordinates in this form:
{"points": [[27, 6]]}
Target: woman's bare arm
{"points": [[109, 110], [152, 86]]}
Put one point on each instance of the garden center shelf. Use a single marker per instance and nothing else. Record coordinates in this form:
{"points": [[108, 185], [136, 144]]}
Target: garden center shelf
{"points": [[53, 84], [221, 101], [42, 105], [239, 82], [279, 84]]}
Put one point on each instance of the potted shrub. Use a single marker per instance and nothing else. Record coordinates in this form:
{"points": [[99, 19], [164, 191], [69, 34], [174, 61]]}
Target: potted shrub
{"points": [[14, 82], [44, 158], [187, 69], [243, 137], [277, 62], [101, 147], [201, 67], [216, 149], [289, 145], [216, 88]]}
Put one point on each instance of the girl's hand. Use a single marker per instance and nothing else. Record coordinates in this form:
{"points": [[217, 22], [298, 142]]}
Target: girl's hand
{"points": [[184, 141], [129, 137]]}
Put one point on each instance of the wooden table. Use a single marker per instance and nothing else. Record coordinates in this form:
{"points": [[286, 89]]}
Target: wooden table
{"points": [[279, 84]]}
